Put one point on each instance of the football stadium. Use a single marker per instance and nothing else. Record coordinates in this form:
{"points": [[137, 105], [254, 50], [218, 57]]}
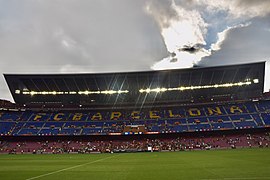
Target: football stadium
{"points": [[197, 123]]}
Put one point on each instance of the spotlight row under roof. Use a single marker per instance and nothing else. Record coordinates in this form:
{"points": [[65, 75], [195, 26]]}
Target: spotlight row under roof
{"points": [[148, 90]]}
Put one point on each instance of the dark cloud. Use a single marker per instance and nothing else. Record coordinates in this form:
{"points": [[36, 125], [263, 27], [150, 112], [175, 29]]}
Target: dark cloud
{"points": [[191, 49], [243, 45]]}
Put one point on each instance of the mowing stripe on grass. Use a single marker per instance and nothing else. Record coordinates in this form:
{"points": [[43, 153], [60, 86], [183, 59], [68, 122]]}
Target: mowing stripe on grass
{"points": [[240, 178], [72, 167]]}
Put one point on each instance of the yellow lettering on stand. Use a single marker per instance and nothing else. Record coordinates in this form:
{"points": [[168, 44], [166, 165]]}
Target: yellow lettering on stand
{"points": [[154, 115], [57, 117], [215, 111], [77, 116], [97, 116], [194, 112], [235, 108], [135, 115], [39, 116], [171, 115], [115, 115]]}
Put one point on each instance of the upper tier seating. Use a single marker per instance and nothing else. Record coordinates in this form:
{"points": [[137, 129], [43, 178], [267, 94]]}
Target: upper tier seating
{"points": [[158, 120]]}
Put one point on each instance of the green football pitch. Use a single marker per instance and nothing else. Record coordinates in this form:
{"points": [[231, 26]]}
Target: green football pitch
{"points": [[208, 165]]}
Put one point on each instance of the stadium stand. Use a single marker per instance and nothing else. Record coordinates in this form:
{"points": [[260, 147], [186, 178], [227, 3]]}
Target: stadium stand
{"points": [[219, 107], [167, 120]]}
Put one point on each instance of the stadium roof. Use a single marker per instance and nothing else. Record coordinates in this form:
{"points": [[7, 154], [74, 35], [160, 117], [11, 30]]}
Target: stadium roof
{"points": [[245, 80]]}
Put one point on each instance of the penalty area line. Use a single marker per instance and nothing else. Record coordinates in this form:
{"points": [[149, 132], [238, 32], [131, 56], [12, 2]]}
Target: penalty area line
{"points": [[72, 167]]}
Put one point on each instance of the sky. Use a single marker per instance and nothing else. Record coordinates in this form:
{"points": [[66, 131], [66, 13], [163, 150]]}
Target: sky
{"points": [[88, 36]]}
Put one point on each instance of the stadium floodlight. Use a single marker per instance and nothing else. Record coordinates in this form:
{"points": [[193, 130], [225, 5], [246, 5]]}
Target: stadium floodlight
{"points": [[148, 90], [240, 84], [163, 89], [83, 92], [256, 81], [157, 90], [183, 88], [108, 92], [42, 92], [122, 91], [71, 92], [228, 85], [88, 92], [160, 90], [114, 92]]}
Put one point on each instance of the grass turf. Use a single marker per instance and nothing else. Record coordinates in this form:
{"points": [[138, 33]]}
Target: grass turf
{"points": [[214, 164]]}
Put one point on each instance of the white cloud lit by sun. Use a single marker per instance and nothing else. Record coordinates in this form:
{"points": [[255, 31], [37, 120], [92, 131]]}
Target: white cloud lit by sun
{"points": [[184, 60], [187, 28], [185, 31]]}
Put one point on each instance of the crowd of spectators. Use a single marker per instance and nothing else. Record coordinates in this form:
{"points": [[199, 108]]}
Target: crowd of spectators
{"points": [[142, 145]]}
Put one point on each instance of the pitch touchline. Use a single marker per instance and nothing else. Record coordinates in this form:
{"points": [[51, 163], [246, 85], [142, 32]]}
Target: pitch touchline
{"points": [[72, 167]]}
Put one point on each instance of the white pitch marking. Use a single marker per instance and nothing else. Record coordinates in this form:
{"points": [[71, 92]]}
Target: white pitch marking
{"points": [[72, 167]]}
